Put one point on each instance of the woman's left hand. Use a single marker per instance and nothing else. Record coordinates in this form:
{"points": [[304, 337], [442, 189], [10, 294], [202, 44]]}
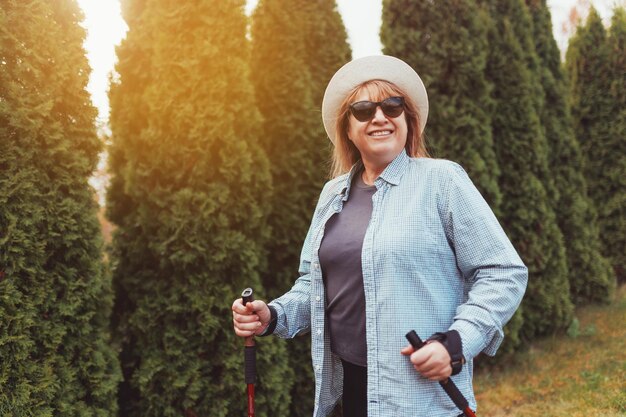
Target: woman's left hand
{"points": [[432, 361]]}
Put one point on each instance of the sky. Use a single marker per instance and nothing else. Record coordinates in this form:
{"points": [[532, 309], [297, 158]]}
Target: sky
{"points": [[106, 28]]}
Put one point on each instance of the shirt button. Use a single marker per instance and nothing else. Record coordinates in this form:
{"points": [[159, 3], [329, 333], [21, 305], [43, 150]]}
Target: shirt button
{"points": [[316, 266], [318, 298], [319, 331], [317, 367]]}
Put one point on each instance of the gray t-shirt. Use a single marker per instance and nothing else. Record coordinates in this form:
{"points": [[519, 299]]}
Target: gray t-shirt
{"points": [[340, 259]]}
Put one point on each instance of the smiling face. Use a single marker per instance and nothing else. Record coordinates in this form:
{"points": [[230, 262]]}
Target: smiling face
{"points": [[380, 139], [345, 151]]}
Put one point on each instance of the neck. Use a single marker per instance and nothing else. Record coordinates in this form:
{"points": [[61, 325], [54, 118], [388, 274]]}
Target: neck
{"points": [[371, 172]]}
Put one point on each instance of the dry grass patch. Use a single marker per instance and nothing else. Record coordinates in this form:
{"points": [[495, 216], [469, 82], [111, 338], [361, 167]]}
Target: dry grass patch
{"points": [[579, 374]]}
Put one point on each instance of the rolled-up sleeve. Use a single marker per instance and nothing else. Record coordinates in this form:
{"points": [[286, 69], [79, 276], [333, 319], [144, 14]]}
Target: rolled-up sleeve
{"points": [[491, 267]]}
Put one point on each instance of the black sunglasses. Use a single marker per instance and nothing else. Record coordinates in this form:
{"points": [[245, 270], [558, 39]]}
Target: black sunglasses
{"points": [[365, 110]]}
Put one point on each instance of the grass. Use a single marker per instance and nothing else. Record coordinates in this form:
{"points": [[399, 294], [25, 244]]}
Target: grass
{"points": [[579, 374]]}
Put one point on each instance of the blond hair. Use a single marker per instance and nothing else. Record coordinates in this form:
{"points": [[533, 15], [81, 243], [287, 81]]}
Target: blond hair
{"points": [[345, 154]]}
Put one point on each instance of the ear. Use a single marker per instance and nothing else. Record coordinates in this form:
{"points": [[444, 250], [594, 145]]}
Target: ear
{"points": [[348, 134]]}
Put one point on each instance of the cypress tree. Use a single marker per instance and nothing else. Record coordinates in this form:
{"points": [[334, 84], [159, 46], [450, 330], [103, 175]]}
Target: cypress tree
{"points": [[597, 114], [290, 133], [590, 275], [55, 295], [326, 45], [614, 213], [190, 198], [326, 50], [521, 151], [446, 42], [295, 50]]}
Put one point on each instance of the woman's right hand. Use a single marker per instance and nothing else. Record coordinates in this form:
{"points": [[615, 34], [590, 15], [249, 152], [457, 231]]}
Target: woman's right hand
{"points": [[252, 319]]}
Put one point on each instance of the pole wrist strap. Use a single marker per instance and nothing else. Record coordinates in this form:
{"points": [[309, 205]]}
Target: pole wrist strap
{"points": [[273, 319], [451, 340]]}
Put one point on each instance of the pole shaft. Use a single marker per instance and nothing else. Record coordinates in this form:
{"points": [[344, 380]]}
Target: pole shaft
{"points": [[250, 400], [469, 412], [249, 356]]}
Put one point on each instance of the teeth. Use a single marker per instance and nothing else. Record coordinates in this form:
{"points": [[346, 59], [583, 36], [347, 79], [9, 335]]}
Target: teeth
{"points": [[380, 132]]}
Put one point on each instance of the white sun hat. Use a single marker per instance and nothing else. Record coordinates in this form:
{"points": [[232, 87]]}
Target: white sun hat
{"points": [[376, 67]]}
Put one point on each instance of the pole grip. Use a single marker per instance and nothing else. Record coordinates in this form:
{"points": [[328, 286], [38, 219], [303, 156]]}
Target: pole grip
{"points": [[414, 340], [249, 352], [448, 385], [247, 296]]}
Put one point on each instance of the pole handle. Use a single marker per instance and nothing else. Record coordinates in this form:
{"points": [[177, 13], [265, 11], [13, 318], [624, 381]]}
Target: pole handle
{"points": [[448, 385], [414, 340], [247, 296], [249, 355]]}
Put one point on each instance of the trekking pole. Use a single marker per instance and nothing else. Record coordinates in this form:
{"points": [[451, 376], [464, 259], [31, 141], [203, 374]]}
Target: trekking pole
{"points": [[448, 385], [249, 357]]}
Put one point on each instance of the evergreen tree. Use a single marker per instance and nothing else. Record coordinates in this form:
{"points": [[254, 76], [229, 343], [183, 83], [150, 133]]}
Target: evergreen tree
{"points": [[522, 154], [590, 274], [295, 50], [326, 50], [290, 133], [595, 79], [446, 42], [326, 45], [190, 198], [55, 295], [613, 213]]}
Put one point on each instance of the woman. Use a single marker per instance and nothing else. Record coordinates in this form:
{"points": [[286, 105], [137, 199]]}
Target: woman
{"points": [[398, 241]]}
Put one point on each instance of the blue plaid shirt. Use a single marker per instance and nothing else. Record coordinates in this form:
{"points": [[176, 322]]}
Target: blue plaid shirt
{"points": [[434, 259]]}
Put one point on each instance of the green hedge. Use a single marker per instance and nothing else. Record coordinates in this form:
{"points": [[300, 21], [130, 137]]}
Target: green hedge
{"points": [[190, 195], [55, 294]]}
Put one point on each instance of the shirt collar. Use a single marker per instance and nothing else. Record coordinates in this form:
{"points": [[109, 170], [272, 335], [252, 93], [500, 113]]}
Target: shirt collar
{"points": [[395, 169], [392, 173], [344, 190]]}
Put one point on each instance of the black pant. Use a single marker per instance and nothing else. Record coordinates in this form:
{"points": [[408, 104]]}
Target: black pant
{"points": [[354, 390]]}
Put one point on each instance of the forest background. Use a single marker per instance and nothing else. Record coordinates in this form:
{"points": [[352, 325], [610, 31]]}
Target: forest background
{"points": [[214, 120]]}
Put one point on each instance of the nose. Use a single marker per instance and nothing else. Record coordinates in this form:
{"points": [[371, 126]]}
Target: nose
{"points": [[379, 116]]}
